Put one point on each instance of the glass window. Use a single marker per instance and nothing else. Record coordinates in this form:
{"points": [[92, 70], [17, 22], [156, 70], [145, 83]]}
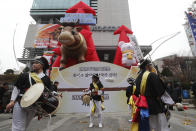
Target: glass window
{"points": [[56, 4]]}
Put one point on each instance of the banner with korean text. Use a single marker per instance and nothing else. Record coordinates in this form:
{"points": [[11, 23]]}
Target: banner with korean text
{"points": [[192, 24], [73, 80]]}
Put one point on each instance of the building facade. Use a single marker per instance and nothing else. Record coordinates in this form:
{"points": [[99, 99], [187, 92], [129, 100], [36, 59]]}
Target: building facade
{"points": [[110, 15]]}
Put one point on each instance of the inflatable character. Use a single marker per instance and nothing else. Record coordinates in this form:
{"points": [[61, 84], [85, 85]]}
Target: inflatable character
{"points": [[73, 44], [90, 54], [128, 55], [125, 53]]}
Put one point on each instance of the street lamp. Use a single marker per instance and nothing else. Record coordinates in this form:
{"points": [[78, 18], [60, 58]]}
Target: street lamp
{"points": [[161, 38], [173, 35], [160, 45], [165, 41], [14, 47]]}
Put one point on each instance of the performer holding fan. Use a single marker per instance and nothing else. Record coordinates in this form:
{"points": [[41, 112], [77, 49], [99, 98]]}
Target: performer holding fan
{"points": [[23, 116], [96, 103]]}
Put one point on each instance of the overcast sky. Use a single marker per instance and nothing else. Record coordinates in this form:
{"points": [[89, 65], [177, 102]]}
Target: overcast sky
{"points": [[153, 19], [150, 19]]}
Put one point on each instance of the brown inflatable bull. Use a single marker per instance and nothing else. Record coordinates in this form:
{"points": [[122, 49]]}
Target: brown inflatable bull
{"points": [[73, 43]]}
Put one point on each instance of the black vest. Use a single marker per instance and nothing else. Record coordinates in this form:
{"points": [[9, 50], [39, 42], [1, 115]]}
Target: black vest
{"points": [[100, 86], [22, 82]]}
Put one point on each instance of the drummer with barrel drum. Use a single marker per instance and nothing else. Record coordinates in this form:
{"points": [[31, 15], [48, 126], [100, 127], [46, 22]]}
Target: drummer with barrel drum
{"points": [[33, 94]]}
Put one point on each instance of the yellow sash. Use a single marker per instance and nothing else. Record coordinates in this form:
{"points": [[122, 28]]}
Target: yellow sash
{"points": [[102, 99], [143, 82], [132, 103], [135, 125], [131, 99], [96, 87], [133, 106], [35, 78], [93, 108], [134, 88]]}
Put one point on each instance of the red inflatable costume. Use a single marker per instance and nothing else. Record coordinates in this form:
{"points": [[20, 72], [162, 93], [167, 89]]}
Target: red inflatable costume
{"points": [[91, 54], [123, 39]]}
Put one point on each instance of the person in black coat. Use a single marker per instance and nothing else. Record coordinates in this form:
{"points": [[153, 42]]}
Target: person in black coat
{"points": [[2, 92], [194, 88], [129, 89], [23, 116], [129, 92], [5, 96], [169, 88], [177, 93], [97, 91], [154, 90], [56, 84]]}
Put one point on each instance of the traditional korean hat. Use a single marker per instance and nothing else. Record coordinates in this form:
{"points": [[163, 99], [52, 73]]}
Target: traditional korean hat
{"points": [[144, 62], [130, 80], [42, 60], [95, 76]]}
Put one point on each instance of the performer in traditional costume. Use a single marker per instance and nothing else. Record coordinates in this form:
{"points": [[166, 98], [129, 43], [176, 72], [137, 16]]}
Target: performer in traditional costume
{"points": [[23, 116], [129, 92], [97, 90], [150, 110]]}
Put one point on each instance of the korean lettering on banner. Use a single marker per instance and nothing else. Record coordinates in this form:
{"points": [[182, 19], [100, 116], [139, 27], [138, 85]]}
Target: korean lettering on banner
{"points": [[86, 19], [192, 23], [105, 71], [41, 43], [46, 36], [79, 97]]}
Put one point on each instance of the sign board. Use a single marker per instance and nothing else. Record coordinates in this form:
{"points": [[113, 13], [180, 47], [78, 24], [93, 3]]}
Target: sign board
{"points": [[104, 28], [48, 55], [115, 101], [46, 36], [84, 19], [80, 75]]}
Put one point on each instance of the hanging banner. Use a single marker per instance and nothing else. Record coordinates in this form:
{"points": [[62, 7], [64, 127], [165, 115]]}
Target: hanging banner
{"points": [[192, 24], [47, 36]]}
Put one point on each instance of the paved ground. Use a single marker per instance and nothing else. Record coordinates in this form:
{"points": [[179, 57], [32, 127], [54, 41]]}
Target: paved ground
{"points": [[180, 121]]}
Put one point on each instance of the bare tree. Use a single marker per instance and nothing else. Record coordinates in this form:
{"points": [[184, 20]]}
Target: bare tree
{"points": [[183, 68]]}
